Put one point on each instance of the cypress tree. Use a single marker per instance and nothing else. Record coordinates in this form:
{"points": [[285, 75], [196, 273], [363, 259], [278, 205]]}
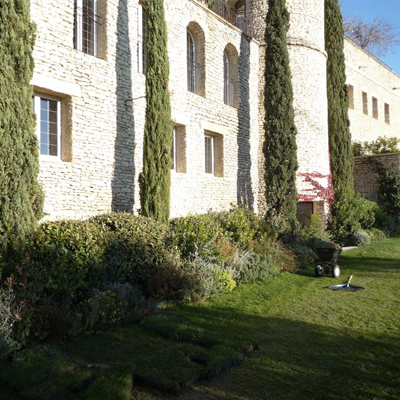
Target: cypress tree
{"points": [[21, 198], [280, 149], [155, 180], [341, 153]]}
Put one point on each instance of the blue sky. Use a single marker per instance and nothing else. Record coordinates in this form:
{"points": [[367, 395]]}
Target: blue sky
{"points": [[368, 9]]}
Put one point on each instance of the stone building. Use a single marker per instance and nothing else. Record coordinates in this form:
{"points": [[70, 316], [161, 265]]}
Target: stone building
{"points": [[89, 85]]}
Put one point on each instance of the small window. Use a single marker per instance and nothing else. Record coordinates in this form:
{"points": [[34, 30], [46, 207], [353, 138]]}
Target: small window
{"points": [[228, 82], [375, 107], [86, 26], [141, 46], [213, 150], [209, 154], [387, 113], [178, 149], [192, 72], [48, 124], [351, 96], [365, 103]]}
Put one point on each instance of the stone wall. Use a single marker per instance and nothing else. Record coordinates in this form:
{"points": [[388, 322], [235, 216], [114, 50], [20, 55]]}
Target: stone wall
{"points": [[104, 110], [369, 75], [365, 178]]}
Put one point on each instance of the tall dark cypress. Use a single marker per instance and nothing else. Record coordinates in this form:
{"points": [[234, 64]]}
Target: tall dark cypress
{"points": [[155, 180], [341, 152], [21, 198], [280, 149]]}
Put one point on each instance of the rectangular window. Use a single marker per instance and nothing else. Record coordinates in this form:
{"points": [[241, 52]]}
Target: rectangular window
{"points": [[375, 107], [86, 26], [351, 96], [209, 154], [174, 150], [48, 124], [141, 46], [387, 113], [214, 154], [365, 103]]}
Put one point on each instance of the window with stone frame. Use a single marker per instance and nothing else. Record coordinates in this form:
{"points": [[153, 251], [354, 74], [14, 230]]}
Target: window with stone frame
{"points": [[53, 126], [351, 96], [213, 154], [87, 26], [375, 113], [387, 113], [178, 149], [141, 45], [365, 103], [231, 76], [195, 58]]}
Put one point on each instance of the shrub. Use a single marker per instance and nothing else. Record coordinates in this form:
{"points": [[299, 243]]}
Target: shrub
{"points": [[196, 235], [9, 313], [242, 226], [376, 234], [283, 256], [360, 238], [135, 225], [353, 214], [64, 257], [255, 268], [211, 279]]}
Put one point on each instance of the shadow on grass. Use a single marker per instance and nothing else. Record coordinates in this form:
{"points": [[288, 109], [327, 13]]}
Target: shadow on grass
{"points": [[295, 360]]}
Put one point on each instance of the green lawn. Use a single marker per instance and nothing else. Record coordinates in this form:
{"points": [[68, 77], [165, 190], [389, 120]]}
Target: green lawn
{"points": [[313, 344]]}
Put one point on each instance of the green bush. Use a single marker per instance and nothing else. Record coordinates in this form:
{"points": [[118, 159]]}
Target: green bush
{"points": [[255, 268], [196, 235], [242, 226], [360, 238], [376, 234], [353, 214], [282, 255], [64, 257], [210, 279]]}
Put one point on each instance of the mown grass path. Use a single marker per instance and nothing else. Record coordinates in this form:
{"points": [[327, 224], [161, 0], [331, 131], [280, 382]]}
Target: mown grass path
{"points": [[313, 343]]}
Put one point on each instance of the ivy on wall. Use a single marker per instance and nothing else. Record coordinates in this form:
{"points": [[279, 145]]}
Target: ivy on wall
{"points": [[389, 186]]}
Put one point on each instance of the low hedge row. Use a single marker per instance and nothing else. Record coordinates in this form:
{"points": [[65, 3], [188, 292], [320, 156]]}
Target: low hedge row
{"points": [[79, 276]]}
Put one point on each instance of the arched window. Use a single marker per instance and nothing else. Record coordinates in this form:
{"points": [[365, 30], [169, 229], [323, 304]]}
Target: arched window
{"points": [[191, 63], [231, 77], [228, 83]]}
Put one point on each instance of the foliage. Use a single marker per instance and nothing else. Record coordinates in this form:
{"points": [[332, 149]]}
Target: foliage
{"points": [[376, 36], [255, 268], [64, 257], [155, 179], [341, 155], [211, 279], [376, 234], [360, 238], [197, 235], [21, 197], [382, 145], [389, 187], [280, 150], [9, 314], [281, 255], [242, 226], [354, 214]]}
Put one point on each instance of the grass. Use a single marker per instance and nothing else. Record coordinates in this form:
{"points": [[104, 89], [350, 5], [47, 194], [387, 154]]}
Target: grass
{"points": [[313, 344]]}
